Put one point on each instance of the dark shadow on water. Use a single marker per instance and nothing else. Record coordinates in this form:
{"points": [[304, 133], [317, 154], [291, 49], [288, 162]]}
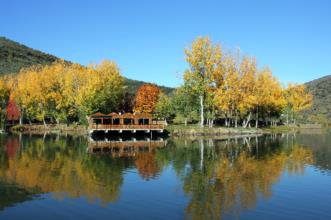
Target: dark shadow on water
{"points": [[11, 195], [127, 135]]}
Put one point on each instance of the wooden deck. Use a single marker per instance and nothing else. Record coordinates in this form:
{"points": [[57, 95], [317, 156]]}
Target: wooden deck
{"points": [[127, 127], [124, 122]]}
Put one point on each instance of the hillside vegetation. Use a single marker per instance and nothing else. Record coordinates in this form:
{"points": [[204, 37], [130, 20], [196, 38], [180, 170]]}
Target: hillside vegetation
{"points": [[14, 56], [321, 91]]}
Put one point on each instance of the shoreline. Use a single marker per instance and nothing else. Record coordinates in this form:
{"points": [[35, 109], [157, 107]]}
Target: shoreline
{"points": [[41, 129], [216, 131], [173, 130]]}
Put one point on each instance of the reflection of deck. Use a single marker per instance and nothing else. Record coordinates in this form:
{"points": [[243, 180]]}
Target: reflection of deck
{"points": [[125, 148]]}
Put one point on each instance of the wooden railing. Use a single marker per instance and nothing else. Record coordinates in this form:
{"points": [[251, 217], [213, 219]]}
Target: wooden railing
{"points": [[126, 127]]}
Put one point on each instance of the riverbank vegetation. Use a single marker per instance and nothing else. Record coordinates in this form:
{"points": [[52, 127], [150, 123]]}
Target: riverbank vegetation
{"points": [[64, 92], [219, 87], [230, 89]]}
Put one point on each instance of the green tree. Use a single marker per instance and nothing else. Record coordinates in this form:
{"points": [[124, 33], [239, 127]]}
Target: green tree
{"points": [[185, 105], [164, 108]]}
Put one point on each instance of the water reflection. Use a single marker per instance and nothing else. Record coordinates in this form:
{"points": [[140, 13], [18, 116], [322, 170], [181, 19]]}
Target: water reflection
{"points": [[229, 175], [143, 151], [224, 175], [58, 165], [12, 194], [124, 148]]}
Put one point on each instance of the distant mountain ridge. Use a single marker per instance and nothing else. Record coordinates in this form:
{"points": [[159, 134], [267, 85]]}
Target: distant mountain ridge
{"points": [[14, 56], [321, 91]]}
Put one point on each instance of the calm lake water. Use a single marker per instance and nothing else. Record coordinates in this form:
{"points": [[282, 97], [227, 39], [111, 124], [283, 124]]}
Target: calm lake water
{"points": [[282, 176]]}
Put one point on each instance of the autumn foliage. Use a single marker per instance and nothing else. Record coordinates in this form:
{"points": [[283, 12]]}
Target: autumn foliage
{"points": [[231, 86], [146, 98], [64, 92], [216, 85], [12, 111]]}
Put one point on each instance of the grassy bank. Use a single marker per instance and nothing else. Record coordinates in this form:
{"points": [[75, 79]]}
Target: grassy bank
{"points": [[61, 128], [196, 130], [282, 129], [296, 128]]}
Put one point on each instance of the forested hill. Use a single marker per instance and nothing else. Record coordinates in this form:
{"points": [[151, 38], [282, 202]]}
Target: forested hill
{"points": [[321, 91], [14, 56]]}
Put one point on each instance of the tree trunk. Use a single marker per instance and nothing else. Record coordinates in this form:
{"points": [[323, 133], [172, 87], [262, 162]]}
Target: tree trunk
{"points": [[287, 118], [248, 120], [257, 118], [2, 124], [21, 118], [185, 121], [201, 111], [44, 123]]}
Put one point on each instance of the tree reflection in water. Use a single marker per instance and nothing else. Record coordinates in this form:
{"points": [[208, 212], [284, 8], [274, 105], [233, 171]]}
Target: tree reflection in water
{"points": [[61, 165], [235, 172], [219, 176]]}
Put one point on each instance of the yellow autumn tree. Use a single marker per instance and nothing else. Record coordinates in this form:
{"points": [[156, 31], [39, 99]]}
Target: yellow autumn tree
{"points": [[4, 98], [226, 94], [204, 59], [247, 91], [102, 88], [27, 93], [297, 99], [67, 92], [269, 98]]}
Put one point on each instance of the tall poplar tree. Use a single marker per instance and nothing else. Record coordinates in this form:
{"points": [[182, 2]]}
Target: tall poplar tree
{"points": [[203, 59]]}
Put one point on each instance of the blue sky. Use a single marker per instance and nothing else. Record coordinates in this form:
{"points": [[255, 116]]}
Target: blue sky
{"points": [[147, 38]]}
